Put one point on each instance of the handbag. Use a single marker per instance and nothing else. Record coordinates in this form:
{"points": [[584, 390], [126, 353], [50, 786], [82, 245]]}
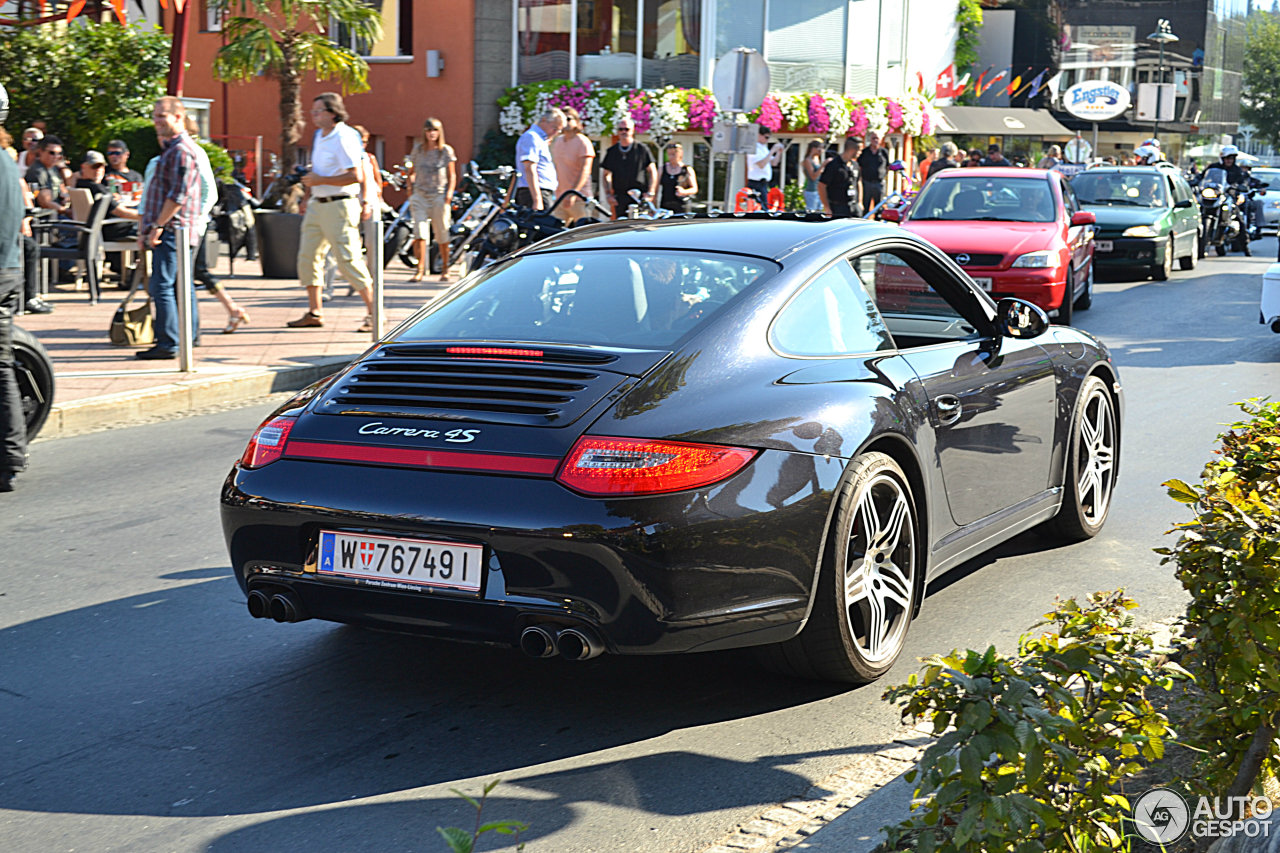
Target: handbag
{"points": [[131, 326]]}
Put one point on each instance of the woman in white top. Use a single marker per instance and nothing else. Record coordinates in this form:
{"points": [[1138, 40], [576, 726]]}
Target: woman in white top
{"points": [[434, 177]]}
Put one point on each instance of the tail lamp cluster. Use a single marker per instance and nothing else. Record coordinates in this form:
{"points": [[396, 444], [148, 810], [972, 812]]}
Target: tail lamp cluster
{"points": [[596, 465]]}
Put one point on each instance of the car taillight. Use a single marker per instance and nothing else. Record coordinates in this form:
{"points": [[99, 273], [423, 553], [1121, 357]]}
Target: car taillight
{"points": [[267, 444], [637, 466]]}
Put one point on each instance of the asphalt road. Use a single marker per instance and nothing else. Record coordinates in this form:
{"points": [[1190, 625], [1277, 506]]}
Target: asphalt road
{"points": [[141, 709]]}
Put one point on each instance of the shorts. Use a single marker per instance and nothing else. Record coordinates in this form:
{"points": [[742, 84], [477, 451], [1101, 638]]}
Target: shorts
{"points": [[430, 214]]}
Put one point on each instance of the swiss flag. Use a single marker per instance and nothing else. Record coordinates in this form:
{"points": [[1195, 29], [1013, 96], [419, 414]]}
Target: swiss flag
{"points": [[945, 86]]}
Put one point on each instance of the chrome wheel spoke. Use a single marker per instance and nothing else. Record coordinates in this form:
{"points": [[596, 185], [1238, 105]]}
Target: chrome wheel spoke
{"points": [[887, 539], [877, 625], [855, 583], [896, 586]]}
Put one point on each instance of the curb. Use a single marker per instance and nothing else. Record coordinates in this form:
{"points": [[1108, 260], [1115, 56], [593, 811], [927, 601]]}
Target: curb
{"points": [[177, 398]]}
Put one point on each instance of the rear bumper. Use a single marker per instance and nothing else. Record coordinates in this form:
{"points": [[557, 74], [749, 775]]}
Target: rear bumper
{"points": [[1041, 287], [701, 570]]}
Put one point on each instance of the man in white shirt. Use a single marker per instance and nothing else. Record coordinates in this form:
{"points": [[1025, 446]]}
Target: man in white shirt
{"points": [[760, 164], [332, 215]]}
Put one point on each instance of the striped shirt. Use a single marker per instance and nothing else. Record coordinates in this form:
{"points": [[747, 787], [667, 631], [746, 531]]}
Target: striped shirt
{"points": [[176, 177]]}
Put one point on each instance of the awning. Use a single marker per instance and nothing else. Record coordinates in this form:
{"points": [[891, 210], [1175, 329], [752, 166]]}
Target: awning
{"points": [[1000, 121]]}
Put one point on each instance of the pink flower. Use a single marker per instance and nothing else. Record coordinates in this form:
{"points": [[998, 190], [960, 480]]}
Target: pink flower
{"points": [[819, 120], [926, 124], [638, 106], [895, 115], [770, 115], [702, 113], [859, 123]]}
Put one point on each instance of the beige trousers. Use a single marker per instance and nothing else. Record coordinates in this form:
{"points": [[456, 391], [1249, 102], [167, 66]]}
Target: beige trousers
{"points": [[336, 224]]}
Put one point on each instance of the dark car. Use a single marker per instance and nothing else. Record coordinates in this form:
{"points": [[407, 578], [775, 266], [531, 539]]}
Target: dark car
{"points": [[1146, 217], [677, 437]]}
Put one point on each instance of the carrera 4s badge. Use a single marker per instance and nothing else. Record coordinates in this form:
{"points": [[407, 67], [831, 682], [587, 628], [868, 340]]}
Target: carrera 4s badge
{"points": [[456, 436]]}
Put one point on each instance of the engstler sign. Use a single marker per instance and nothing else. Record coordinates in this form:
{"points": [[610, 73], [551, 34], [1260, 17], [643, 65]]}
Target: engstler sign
{"points": [[1096, 100]]}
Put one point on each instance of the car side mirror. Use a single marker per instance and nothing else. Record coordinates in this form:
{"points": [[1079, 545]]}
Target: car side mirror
{"points": [[1017, 318], [891, 214], [1083, 217], [1184, 204]]}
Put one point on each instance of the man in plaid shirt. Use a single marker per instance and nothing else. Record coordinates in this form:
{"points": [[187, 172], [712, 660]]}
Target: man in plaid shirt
{"points": [[171, 200]]}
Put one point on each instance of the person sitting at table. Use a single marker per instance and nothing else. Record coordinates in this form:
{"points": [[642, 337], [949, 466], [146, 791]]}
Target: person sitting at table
{"points": [[118, 167], [92, 169], [46, 178]]}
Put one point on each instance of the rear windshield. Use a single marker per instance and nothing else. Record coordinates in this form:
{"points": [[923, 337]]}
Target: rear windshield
{"points": [[624, 298]]}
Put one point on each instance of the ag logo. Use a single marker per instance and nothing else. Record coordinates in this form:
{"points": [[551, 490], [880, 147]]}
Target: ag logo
{"points": [[1161, 816]]}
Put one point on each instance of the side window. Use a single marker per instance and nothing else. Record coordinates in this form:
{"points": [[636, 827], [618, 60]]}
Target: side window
{"points": [[1073, 204], [1181, 192], [918, 301], [832, 315]]}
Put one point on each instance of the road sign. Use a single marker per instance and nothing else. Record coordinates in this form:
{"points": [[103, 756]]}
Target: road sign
{"points": [[730, 138], [1149, 94], [741, 80], [1096, 100], [1078, 150]]}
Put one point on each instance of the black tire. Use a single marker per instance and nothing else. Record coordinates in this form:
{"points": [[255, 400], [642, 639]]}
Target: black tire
{"points": [[1162, 271], [1085, 302], [396, 244], [860, 618], [1220, 249], [1091, 456], [1066, 309], [1188, 261], [35, 379]]}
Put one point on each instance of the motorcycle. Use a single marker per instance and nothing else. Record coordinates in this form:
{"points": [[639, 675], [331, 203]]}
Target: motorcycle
{"points": [[34, 370], [642, 209], [508, 229], [1221, 221], [467, 208]]}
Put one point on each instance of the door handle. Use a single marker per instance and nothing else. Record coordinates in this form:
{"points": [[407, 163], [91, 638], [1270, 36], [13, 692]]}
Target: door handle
{"points": [[948, 408]]}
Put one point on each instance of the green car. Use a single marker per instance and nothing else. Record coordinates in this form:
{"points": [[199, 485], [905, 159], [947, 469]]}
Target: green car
{"points": [[1147, 216]]}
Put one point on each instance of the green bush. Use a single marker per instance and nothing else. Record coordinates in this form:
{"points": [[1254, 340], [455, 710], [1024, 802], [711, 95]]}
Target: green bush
{"points": [[1228, 560], [219, 159], [463, 841], [794, 195], [81, 78], [1029, 747]]}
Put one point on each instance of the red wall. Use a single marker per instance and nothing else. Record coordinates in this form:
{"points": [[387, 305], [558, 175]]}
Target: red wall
{"points": [[400, 97]]}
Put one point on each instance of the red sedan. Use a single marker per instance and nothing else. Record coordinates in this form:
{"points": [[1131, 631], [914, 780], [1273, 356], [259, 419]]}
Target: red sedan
{"points": [[1017, 232]]}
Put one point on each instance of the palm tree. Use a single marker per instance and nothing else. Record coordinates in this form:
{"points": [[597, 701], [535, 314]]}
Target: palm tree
{"points": [[287, 38]]}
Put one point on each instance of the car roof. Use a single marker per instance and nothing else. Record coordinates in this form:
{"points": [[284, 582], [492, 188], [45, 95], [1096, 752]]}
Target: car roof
{"points": [[992, 172], [759, 236], [1149, 170]]}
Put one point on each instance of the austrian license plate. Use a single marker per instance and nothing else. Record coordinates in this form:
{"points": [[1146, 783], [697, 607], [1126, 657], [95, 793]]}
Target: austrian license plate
{"points": [[1102, 245], [983, 282], [401, 563]]}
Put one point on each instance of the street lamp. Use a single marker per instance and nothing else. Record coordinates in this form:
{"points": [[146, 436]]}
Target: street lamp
{"points": [[1162, 36]]}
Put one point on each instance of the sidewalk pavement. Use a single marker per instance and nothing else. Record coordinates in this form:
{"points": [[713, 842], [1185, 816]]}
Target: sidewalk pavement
{"points": [[98, 384]]}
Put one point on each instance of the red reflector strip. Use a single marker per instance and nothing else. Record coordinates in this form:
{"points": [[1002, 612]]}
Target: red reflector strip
{"points": [[414, 457], [495, 351]]}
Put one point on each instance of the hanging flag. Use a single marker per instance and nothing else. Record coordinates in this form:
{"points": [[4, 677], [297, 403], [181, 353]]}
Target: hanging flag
{"points": [[997, 78], [118, 5], [75, 9], [978, 87], [1052, 86], [960, 85], [1033, 88], [1013, 85], [945, 85]]}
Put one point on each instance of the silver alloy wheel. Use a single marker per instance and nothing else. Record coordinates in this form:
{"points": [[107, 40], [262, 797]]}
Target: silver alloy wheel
{"points": [[879, 580], [1095, 457]]}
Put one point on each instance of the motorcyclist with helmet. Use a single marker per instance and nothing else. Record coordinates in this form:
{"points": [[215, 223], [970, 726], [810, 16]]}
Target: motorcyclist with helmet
{"points": [[1242, 183], [13, 429]]}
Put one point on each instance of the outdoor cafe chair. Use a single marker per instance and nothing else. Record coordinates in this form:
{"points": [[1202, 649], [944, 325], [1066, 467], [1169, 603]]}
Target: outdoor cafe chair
{"points": [[88, 248]]}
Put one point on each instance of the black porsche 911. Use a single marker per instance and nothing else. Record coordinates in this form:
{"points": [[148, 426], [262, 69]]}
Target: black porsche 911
{"points": [[680, 436]]}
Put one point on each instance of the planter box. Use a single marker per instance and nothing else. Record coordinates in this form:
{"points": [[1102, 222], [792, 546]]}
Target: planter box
{"points": [[278, 235]]}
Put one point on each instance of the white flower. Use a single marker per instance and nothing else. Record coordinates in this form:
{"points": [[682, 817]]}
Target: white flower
{"points": [[593, 114], [511, 120], [667, 112], [912, 115], [877, 115], [795, 109], [838, 111], [620, 111]]}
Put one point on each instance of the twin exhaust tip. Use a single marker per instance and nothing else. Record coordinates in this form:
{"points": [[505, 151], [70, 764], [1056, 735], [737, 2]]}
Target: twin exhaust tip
{"points": [[538, 641], [281, 606]]}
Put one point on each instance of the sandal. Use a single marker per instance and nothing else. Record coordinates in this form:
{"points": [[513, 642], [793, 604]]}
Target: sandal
{"points": [[308, 320], [367, 325], [241, 318]]}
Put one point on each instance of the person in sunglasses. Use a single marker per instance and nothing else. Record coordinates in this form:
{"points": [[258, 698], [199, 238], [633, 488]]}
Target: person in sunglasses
{"points": [[118, 164]]}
